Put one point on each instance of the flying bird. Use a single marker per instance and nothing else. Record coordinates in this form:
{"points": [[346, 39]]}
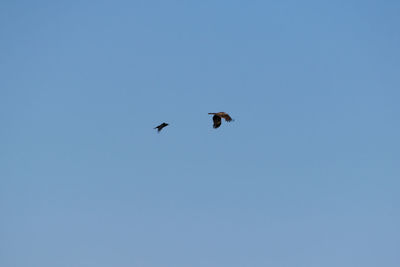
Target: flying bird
{"points": [[217, 118], [162, 125]]}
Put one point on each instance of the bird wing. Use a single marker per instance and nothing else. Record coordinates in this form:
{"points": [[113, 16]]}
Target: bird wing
{"points": [[217, 121], [226, 117], [159, 127]]}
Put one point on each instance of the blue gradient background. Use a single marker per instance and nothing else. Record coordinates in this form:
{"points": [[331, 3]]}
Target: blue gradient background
{"points": [[307, 175]]}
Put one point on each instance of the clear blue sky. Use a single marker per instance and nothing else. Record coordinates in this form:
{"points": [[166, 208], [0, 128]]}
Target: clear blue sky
{"points": [[306, 176]]}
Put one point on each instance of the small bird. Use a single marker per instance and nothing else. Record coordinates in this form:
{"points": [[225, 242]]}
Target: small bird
{"points": [[217, 118], [162, 125]]}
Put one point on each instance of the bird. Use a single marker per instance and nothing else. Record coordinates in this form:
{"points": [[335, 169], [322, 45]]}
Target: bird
{"points": [[217, 118], [162, 125]]}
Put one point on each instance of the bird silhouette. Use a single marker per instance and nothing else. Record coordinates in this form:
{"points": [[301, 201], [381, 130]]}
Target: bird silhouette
{"points": [[217, 118], [161, 126]]}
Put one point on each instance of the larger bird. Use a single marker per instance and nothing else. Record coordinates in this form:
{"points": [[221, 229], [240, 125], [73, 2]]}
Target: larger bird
{"points": [[217, 118]]}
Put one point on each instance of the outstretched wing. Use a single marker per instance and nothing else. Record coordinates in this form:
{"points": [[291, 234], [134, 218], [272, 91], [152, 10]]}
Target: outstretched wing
{"points": [[226, 117], [217, 121]]}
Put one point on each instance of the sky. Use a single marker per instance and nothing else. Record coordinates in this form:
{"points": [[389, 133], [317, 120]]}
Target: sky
{"points": [[307, 174]]}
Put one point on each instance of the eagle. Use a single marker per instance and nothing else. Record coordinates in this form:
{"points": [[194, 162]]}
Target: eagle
{"points": [[162, 125], [217, 118]]}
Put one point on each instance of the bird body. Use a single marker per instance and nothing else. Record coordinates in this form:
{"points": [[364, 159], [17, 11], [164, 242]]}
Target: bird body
{"points": [[217, 118], [161, 126]]}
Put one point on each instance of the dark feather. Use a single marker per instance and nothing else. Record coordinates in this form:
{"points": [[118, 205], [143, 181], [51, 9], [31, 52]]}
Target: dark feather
{"points": [[217, 121]]}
